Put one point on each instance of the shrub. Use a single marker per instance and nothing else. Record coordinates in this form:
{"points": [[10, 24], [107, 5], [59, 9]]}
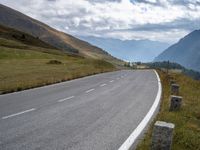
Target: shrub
{"points": [[56, 62]]}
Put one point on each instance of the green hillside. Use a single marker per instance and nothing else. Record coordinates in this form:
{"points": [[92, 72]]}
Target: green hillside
{"points": [[26, 62]]}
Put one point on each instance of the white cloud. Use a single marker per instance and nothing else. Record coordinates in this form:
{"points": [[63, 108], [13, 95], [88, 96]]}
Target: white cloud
{"points": [[168, 36], [113, 17]]}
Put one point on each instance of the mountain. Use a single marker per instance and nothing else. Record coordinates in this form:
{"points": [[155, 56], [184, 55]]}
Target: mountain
{"points": [[186, 52], [65, 42], [27, 62], [15, 39], [131, 50]]}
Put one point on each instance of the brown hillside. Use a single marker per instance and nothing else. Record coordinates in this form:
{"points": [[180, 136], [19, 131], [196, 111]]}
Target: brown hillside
{"points": [[63, 41]]}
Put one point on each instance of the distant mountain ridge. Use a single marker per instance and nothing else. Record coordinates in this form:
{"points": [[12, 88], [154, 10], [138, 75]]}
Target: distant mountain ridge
{"points": [[65, 42], [186, 52], [131, 50]]}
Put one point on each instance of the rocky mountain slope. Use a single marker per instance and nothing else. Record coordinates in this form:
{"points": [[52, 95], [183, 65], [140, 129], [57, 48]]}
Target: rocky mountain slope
{"points": [[186, 52]]}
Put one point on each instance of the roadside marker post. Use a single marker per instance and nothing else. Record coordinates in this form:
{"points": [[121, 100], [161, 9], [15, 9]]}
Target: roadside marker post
{"points": [[162, 136], [175, 103], [172, 82], [175, 89]]}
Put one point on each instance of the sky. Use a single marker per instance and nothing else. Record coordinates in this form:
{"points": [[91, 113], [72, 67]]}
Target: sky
{"points": [[158, 20]]}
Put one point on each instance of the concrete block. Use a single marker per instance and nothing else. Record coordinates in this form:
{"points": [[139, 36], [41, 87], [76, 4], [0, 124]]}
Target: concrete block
{"points": [[175, 89], [172, 82], [162, 136], [175, 103]]}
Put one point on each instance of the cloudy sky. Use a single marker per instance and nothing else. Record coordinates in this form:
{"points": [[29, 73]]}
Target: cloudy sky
{"points": [[159, 20]]}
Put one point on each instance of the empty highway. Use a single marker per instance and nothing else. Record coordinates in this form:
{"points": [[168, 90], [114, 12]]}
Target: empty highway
{"points": [[93, 113]]}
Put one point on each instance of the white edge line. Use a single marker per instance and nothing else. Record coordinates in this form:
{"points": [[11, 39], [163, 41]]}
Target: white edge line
{"points": [[134, 135], [62, 100], [88, 91], [19, 113], [112, 81]]}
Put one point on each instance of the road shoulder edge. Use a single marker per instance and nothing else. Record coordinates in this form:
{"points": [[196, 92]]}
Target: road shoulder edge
{"points": [[131, 140]]}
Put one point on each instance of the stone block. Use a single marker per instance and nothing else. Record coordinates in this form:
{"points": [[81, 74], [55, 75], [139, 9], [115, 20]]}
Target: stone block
{"points": [[175, 89], [162, 136], [175, 103], [172, 82]]}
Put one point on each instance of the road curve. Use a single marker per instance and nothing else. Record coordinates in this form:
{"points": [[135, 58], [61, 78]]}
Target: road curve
{"points": [[93, 113]]}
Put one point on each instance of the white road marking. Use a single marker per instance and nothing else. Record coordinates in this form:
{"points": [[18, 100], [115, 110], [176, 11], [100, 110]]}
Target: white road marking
{"points": [[112, 81], [103, 85], [19, 113], [88, 91], [135, 134], [62, 100]]}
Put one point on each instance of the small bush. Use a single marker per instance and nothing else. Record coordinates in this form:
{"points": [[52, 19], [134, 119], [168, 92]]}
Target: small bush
{"points": [[18, 89], [56, 62]]}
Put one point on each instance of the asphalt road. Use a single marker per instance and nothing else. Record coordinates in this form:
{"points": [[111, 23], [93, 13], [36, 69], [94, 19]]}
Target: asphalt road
{"points": [[92, 113]]}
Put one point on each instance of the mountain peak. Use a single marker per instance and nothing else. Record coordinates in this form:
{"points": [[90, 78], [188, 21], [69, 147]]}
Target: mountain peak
{"points": [[185, 52]]}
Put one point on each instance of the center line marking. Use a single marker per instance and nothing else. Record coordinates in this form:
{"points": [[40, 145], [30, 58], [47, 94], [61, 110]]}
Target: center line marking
{"points": [[111, 81], [62, 100], [103, 85], [88, 91], [19, 113]]}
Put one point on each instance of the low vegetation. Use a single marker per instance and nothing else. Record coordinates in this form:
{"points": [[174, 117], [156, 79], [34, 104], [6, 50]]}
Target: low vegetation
{"points": [[27, 62], [21, 69], [176, 67], [54, 62], [187, 120]]}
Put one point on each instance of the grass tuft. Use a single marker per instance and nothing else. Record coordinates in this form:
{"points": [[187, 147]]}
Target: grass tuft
{"points": [[55, 62]]}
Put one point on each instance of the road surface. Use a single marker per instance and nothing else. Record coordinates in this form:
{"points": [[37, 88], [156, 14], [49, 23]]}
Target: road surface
{"points": [[93, 113]]}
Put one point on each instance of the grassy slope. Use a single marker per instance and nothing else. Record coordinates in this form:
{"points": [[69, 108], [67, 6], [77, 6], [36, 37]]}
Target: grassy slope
{"points": [[187, 120], [22, 69], [24, 63], [12, 18]]}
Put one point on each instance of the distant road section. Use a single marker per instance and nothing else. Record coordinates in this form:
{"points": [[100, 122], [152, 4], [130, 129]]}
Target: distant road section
{"points": [[93, 113]]}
